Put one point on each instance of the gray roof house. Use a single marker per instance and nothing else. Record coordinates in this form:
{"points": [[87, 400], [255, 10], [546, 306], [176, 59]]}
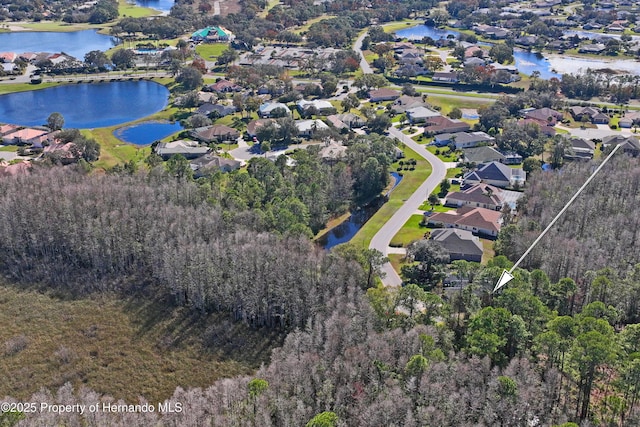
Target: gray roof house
{"points": [[210, 164], [630, 144], [461, 244], [218, 110], [306, 128], [420, 114], [188, 149], [462, 139], [483, 154], [496, 174], [266, 110], [581, 149]]}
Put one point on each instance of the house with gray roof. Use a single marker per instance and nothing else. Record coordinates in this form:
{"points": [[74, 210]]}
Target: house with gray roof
{"points": [[188, 149], [267, 110], [217, 110], [630, 144], [215, 133], [210, 164], [496, 174], [462, 139], [461, 244], [306, 128], [420, 114], [581, 149], [484, 154]]}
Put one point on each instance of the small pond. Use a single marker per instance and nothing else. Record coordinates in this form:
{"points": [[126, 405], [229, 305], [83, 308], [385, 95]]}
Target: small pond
{"points": [[420, 31], [161, 5], [74, 43], [85, 105], [528, 62], [147, 132], [345, 231]]}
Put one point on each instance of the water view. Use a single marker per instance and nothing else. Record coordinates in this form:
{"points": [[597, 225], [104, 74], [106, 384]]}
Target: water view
{"points": [[345, 231], [85, 105], [577, 65], [420, 31], [161, 5], [528, 62], [147, 132], [74, 43]]}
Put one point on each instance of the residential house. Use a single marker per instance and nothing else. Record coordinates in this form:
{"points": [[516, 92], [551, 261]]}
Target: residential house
{"points": [[512, 159], [545, 130], [354, 121], [7, 57], [23, 136], [379, 95], [188, 149], [496, 174], [267, 110], [463, 139], [306, 128], [215, 110], [581, 149], [215, 133], [411, 70], [477, 195], [600, 119], [336, 122], [479, 221], [630, 144], [406, 102], [420, 114], [210, 164], [321, 106], [333, 152], [461, 244], [440, 124], [224, 86], [629, 120], [445, 76], [6, 129], [490, 31], [254, 125], [483, 154], [545, 116], [592, 48]]}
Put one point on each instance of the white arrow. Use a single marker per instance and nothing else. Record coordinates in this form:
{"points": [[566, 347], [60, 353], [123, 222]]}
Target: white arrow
{"points": [[506, 275], [505, 278]]}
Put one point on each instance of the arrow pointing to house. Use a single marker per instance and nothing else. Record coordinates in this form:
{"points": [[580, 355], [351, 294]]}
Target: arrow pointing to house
{"points": [[506, 276]]}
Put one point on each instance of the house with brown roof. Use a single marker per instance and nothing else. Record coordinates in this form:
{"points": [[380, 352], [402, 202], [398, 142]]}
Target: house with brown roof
{"points": [[224, 86], [254, 125], [461, 244], [215, 133], [383, 94], [441, 124], [478, 195], [22, 136], [6, 129], [479, 221], [546, 116], [545, 130]]}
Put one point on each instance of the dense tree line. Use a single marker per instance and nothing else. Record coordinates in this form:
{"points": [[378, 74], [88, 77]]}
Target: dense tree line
{"points": [[136, 233]]}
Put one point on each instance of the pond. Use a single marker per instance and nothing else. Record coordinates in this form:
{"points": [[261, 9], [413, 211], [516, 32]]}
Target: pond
{"points": [[85, 105], [528, 62], [74, 43], [577, 65], [147, 132], [420, 31], [345, 231], [161, 5]]}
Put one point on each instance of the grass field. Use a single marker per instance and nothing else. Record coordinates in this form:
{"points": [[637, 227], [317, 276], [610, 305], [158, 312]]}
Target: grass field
{"points": [[211, 50], [410, 182], [24, 87], [400, 25], [410, 231], [133, 11], [124, 348]]}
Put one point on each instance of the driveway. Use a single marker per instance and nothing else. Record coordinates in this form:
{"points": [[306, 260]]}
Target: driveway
{"points": [[357, 46], [383, 237]]}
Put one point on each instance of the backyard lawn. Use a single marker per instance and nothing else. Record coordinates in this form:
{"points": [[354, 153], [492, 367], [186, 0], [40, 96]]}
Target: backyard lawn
{"points": [[410, 231], [211, 50]]}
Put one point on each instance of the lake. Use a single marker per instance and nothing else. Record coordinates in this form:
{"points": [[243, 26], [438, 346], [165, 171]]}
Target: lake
{"points": [[74, 43], [147, 132], [161, 5], [85, 105]]}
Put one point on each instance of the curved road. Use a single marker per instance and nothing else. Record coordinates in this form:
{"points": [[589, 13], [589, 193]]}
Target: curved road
{"points": [[383, 237], [357, 46]]}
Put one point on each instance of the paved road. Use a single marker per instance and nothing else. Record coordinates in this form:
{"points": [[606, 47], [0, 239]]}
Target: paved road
{"points": [[357, 46], [381, 240]]}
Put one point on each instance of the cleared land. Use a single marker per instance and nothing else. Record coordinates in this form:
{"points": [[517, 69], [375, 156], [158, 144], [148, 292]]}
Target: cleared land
{"points": [[121, 348]]}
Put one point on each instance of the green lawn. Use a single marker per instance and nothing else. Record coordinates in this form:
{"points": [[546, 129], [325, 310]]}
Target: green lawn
{"points": [[24, 87], [452, 157], [9, 148], [410, 231], [410, 182], [211, 50], [400, 25], [133, 11]]}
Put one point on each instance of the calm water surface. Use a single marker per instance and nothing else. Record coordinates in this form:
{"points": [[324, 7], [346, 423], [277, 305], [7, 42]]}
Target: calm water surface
{"points": [[146, 133], [85, 105], [74, 43], [162, 5]]}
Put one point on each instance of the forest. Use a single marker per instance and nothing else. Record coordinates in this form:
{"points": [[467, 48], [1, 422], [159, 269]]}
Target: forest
{"points": [[558, 345]]}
